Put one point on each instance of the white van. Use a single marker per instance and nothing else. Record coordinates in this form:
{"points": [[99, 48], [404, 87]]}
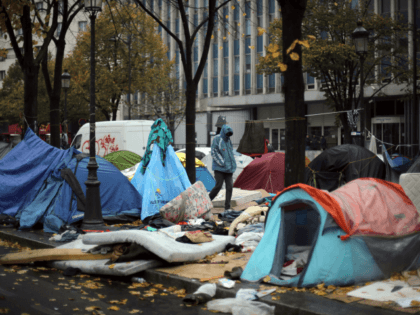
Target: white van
{"points": [[111, 136]]}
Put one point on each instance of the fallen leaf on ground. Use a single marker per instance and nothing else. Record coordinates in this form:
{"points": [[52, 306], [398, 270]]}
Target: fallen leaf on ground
{"points": [[135, 311], [101, 296], [152, 301], [92, 308], [4, 310], [112, 266], [93, 299], [415, 303], [44, 276], [134, 292], [71, 299], [52, 300], [76, 309], [21, 272], [114, 308]]}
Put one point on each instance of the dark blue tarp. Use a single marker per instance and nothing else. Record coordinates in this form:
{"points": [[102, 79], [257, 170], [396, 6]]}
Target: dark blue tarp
{"points": [[23, 171], [34, 190]]}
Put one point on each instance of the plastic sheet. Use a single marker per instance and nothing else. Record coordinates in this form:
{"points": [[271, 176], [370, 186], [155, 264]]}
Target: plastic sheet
{"points": [[240, 307]]}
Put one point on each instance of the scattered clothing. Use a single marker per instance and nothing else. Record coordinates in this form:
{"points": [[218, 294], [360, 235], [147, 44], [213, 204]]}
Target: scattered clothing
{"points": [[195, 237], [229, 215], [238, 306], [256, 228]]}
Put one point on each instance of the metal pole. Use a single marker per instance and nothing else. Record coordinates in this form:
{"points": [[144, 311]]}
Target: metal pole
{"points": [[92, 219], [129, 78], [65, 117], [363, 114]]}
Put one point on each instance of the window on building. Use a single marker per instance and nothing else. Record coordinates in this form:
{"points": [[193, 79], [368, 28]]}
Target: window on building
{"points": [[248, 18], [205, 81], [271, 10], [20, 31], [236, 67], [82, 26], [260, 13], [195, 56], [248, 54], [226, 68], [385, 8], [39, 6], [177, 63], [310, 82], [2, 75], [177, 27], [402, 8], [247, 83], [275, 138], [215, 69], [271, 83], [59, 28]]}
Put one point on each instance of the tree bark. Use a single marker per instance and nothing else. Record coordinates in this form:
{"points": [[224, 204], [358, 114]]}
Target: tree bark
{"points": [[346, 128], [190, 132], [30, 74], [292, 15]]}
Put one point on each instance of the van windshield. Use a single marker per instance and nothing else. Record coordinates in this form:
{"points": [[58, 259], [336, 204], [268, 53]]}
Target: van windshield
{"points": [[77, 142]]}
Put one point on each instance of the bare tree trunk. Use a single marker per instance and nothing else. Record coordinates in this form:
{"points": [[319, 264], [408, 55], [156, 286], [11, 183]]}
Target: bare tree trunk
{"points": [[292, 15], [347, 129], [30, 75], [190, 131]]}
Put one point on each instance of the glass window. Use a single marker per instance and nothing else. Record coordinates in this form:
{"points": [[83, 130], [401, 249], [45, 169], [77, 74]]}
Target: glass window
{"points": [[259, 81], [236, 47], [236, 84], [248, 81], [59, 27], [215, 51], [2, 75], [236, 12], [226, 66], [39, 5], [226, 84], [195, 53], [215, 85], [215, 68], [260, 45], [275, 138], [82, 26], [205, 87], [237, 65]]}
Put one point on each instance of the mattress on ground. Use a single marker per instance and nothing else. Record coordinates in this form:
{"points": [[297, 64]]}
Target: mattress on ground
{"points": [[99, 267], [162, 243]]}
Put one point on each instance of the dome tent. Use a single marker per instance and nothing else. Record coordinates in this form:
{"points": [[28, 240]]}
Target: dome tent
{"points": [[341, 164], [265, 172]]}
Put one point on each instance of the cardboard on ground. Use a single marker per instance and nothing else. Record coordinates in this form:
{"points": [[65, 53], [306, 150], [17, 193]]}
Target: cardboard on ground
{"points": [[381, 291], [239, 197]]}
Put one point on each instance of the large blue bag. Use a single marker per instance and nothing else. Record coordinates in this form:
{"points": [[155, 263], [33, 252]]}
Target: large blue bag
{"points": [[160, 184]]}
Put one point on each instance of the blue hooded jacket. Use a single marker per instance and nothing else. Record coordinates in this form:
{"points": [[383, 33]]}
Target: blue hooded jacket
{"points": [[222, 151]]}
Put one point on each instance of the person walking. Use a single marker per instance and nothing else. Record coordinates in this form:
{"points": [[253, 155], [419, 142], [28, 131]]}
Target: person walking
{"points": [[307, 143], [314, 143], [323, 143], [224, 164]]}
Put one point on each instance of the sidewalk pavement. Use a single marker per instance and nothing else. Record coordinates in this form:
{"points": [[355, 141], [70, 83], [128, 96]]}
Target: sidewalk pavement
{"points": [[296, 303]]}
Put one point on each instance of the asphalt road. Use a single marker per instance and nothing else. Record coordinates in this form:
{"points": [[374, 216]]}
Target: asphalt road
{"points": [[36, 289]]}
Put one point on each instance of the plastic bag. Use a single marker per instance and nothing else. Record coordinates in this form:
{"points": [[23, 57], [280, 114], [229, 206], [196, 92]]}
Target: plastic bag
{"points": [[240, 307], [202, 295], [160, 184]]}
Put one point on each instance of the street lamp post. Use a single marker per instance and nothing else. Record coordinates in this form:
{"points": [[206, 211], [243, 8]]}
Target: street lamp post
{"points": [[65, 85], [92, 219], [360, 37]]}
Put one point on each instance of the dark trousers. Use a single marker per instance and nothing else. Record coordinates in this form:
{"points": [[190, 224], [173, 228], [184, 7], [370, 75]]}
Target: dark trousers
{"points": [[221, 177]]}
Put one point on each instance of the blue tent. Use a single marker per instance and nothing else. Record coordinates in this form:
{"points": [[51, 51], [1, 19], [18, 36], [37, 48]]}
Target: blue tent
{"points": [[296, 220], [52, 190], [203, 175]]}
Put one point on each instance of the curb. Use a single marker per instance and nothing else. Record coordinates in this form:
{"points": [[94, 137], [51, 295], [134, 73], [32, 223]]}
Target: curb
{"points": [[293, 303]]}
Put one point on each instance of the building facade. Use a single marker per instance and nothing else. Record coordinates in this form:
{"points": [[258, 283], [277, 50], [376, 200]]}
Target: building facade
{"points": [[230, 84]]}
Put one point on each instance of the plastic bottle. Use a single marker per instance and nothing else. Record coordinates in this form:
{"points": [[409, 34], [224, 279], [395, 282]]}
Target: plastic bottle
{"points": [[138, 280]]}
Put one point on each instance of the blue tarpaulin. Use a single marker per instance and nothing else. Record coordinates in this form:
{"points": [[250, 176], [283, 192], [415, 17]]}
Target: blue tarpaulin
{"points": [[160, 184]]}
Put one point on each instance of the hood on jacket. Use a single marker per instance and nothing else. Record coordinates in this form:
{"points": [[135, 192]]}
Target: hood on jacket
{"points": [[226, 132]]}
